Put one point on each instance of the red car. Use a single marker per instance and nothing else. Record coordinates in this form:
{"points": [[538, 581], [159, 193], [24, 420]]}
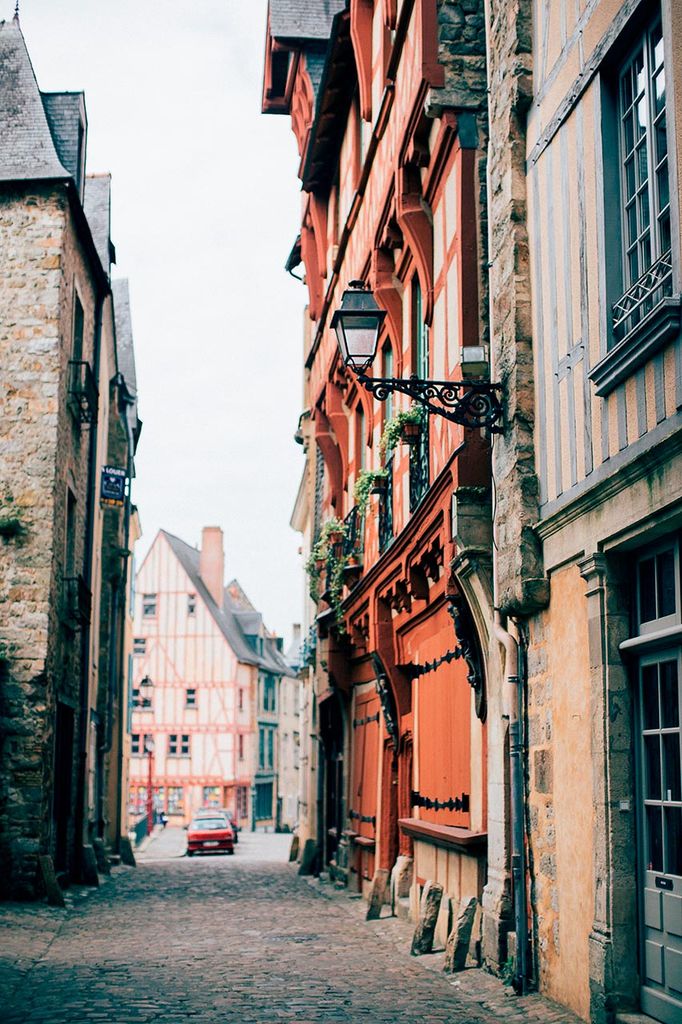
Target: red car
{"points": [[210, 835]]}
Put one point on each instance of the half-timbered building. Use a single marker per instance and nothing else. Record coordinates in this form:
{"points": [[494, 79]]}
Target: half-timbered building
{"points": [[206, 689], [392, 181]]}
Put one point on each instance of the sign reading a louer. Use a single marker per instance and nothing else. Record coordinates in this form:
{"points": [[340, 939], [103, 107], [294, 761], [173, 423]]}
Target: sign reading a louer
{"points": [[113, 487]]}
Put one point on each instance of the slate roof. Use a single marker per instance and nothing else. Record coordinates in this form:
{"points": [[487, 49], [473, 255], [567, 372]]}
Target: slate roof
{"points": [[65, 113], [97, 206], [226, 618], [27, 149], [125, 351], [303, 19]]}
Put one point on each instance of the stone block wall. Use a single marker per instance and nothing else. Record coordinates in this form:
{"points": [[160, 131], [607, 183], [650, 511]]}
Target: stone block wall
{"points": [[43, 452]]}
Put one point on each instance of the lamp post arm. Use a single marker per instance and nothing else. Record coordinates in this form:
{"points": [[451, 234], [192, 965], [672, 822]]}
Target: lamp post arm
{"points": [[471, 403]]}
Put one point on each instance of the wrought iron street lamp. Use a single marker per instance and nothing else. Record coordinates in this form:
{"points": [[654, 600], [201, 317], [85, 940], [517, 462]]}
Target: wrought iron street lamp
{"points": [[357, 322]]}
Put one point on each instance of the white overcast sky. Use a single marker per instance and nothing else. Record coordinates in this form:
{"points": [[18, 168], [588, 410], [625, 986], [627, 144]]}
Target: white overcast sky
{"points": [[204, 212]]}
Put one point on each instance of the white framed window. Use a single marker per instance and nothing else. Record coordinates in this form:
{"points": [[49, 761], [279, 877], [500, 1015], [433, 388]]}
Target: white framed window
{"points": [[139, 645], [149, 606], [190, 698], [644, 181]]}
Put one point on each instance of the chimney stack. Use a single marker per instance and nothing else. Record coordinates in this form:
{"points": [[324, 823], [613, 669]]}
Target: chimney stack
{"points": [[296, 639], [212, 562]]}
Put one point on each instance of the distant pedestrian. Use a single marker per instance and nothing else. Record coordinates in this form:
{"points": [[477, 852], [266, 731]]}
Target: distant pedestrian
{"points": [[164, 819]]}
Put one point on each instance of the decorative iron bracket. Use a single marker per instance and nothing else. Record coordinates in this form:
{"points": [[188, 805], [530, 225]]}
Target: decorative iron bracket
{"points": [[386, 699], [455, 803], [465, 631], [471, 403]]}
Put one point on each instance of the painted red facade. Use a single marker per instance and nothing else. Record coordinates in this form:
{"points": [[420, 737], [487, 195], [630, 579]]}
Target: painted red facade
{"points": [[390, 196]]}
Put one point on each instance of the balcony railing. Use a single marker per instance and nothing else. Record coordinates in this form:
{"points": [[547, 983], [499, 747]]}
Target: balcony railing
{"points": [[419, 464], [83, 393], [308, 648], [386, 510], [353, 542], [76, 602], [653, 286]]}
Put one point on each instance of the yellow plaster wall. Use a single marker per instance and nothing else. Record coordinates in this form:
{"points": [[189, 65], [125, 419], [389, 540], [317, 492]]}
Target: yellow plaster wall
{"points": [[561, 787]]}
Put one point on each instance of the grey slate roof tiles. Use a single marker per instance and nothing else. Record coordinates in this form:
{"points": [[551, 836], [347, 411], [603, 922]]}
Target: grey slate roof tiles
{"points": [[97, 206], [27, 149], [63, 111], [303, 19], [225, 617]]}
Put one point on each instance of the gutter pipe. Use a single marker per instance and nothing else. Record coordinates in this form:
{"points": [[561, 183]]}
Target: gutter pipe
{"points": [[513, 711], [84, 689]]}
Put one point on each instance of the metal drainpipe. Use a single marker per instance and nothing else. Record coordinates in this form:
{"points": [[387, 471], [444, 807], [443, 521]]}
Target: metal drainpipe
{"points": [[122, 594], [84, 703], [514, 706]]}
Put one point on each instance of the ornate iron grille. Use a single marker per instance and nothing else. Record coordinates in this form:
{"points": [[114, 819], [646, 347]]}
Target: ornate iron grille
{"points": [[353, 542], [319, 494], [386, 510], [419, 464], [643, 295]]}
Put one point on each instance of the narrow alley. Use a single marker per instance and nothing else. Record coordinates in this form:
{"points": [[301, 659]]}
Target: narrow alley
{"points": [[222, 939]]}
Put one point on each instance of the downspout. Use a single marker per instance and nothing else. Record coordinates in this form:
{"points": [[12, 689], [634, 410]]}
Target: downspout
{"points": [[513, 711], [122, 595], [84, 695]]}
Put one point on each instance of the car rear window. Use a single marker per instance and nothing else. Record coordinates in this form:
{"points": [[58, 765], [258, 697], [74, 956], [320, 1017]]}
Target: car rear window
{"points": [[204, 824]]}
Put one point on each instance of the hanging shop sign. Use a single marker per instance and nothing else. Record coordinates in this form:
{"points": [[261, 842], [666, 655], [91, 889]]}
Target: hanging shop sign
{"points": [[112, 487]]}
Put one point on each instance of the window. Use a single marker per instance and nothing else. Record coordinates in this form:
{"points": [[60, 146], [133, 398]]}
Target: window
{"points": [[78, 325], [266, 747], [419, 333], [70, 548], [149, 606], [658, 599], [241, 700], [191, 605], [212, 796], [138, 743], [360, 446], [242, 802], [297, 749], [175, 800], [644, 182], [141, 700], [240, 744], [190, 698], [139, 645], [269, 693], [178, 744], [387, 371]]}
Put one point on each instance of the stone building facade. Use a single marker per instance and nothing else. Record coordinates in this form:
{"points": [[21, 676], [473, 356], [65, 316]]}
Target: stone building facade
{"points": [[567, 554], [58, 359]]}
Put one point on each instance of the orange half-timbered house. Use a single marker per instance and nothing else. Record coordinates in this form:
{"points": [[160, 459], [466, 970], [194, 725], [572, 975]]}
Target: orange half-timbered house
{"points": [[392, 172]]}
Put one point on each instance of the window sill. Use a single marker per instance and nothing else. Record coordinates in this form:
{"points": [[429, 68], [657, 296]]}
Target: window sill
{"points": [[643, 341], [448, 836]]}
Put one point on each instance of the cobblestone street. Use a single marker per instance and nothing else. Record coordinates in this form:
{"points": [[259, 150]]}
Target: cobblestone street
{"points": [[222, 939]]}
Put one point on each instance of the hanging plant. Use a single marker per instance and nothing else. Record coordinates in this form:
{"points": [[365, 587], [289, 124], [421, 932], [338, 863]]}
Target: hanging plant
{"points": [[395, 428], [327, 554], [366, 484]]}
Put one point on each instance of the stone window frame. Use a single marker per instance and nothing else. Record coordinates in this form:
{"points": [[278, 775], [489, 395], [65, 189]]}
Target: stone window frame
{"points": [[622, 356]]}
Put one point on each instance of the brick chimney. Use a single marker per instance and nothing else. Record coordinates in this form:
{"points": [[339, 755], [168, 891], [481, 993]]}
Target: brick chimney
{"points": [[212, 562]]}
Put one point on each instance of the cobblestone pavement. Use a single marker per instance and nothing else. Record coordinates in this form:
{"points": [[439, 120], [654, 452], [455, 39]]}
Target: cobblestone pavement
{"points": [[217, 940]]}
